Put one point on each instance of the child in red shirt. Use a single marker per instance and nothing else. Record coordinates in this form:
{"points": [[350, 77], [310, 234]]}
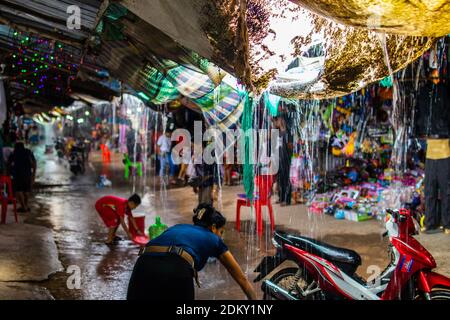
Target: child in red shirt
{"points": [[113, 210]]}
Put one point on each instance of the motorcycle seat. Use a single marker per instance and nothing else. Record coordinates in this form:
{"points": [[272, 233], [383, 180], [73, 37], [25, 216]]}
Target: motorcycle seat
{"points": [[345, 259]]}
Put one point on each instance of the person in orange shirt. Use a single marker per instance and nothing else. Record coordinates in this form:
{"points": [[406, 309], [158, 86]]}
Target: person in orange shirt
{"points": [[113, 210]]}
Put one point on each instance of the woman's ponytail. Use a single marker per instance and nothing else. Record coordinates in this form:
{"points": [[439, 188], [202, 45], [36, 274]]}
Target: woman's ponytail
{"points": [[206, 216]]}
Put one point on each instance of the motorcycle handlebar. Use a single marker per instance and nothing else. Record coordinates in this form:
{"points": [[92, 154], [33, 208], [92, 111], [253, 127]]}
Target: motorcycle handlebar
{"points": [[394, 213]]}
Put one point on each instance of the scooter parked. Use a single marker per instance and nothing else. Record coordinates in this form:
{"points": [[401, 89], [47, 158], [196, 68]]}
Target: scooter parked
{"points": [[76, 162], [325, 272], [59, 147]]}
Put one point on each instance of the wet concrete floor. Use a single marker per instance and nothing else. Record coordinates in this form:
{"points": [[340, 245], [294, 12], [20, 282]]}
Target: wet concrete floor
{"points": [[65, 204]]}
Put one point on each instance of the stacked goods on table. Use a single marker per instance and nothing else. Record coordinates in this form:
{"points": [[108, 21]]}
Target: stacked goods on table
{"points": [[367, 200]]}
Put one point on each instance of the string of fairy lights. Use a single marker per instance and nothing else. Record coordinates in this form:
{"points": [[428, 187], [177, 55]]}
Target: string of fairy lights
{"points": [[41, 64]]}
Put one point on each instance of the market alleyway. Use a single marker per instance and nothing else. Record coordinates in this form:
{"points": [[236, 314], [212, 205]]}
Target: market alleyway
{"points": [[64, 205]]}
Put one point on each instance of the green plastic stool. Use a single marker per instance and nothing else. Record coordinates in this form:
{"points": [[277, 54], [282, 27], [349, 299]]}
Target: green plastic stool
{"points": [[128, 164]]}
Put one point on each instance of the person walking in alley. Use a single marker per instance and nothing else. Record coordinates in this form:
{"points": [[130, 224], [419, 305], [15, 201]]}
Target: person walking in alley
{"points": [[169, 263], [22, 164], [285, 152], [113, 210], [204, 177], [163, 149], [183, 171]]}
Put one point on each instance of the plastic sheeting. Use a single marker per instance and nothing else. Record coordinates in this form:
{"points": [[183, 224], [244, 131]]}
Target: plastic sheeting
{"points": [[415, 18], [275, 32]]}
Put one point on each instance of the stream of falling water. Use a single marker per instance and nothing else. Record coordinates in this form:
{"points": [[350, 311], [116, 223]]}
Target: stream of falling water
{"points": [[163, 180], [398, 115], [134, 158], [49, 134], [144, 154], [264, 149], [219, 164], [251, 230], [310, 135], [139, 115], [395, 111], [154, 141]]}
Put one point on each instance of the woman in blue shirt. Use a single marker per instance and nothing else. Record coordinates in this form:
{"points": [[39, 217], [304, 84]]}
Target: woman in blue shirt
{"points": [[169, 263]]}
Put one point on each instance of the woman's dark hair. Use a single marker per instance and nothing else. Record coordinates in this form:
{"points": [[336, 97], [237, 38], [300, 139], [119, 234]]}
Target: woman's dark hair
{"points": [[19, 146], [135, 198], [206, 216]]}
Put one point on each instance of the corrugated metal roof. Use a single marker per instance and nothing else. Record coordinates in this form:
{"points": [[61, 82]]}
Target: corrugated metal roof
{"points": [[46, 20], [128, 45], [50, 16]]}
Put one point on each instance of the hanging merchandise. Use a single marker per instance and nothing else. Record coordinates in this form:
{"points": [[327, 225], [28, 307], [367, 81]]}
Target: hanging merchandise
{"points": [[385, 93], [271, 102], [358, 182], [386, 82], [247, 124], [327, 116]]}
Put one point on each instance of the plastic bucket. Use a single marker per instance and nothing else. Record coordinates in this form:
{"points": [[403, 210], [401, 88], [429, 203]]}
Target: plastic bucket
{"points": [[140, 222]]}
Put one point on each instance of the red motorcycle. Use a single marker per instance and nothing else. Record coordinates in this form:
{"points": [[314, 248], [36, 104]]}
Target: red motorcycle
{"points": [[321, 271]]}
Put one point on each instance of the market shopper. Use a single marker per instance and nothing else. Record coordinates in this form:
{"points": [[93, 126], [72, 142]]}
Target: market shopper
{"points": [[204, 183], [34, 135], [206, 177], [183, 172], [285, 154], [228, 169], [131, 141], [169, 263], [22, 166], [113, 210], [163, 149]]}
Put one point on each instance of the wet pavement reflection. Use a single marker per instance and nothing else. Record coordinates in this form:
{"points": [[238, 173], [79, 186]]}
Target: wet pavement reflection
{"points": [[66, 204]]}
